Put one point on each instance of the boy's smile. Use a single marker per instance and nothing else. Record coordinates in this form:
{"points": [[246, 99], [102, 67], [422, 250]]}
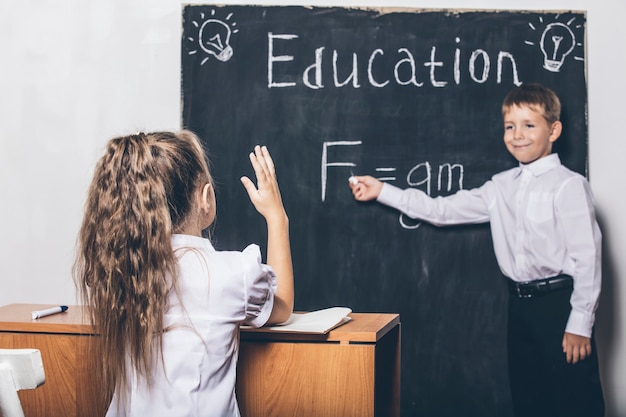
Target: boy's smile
{"points": [[527, 134]]}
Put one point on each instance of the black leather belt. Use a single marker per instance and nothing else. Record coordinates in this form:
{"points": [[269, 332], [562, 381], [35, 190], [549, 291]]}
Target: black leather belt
{"points": [[541, 286]]}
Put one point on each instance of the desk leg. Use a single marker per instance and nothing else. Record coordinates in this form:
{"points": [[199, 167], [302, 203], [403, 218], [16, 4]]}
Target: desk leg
{"points": [[388, 374]]}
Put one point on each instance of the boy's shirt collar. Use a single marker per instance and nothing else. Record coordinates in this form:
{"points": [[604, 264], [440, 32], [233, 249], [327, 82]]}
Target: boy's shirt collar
{"points": [[541, 165]]}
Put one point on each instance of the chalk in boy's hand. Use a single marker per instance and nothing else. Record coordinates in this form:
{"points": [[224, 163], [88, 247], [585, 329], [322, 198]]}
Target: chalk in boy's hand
{"points": [[364, 188]]}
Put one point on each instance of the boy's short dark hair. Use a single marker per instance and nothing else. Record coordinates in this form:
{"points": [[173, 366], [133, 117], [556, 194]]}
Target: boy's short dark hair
{"points": [[538, 98]]}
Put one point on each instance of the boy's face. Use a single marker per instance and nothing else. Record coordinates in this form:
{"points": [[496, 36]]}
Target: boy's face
{"points": [[527, 134]]}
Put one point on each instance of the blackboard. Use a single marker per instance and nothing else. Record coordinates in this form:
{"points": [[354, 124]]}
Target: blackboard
{"points": [[412, 97]]}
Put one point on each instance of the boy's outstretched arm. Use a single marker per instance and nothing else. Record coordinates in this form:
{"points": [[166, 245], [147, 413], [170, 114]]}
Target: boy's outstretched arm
{"points": [[365, 188]]}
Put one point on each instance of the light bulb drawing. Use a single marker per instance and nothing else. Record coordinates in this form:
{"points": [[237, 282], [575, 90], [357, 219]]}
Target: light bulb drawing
{"points": [[557, 42], [213, 37]]}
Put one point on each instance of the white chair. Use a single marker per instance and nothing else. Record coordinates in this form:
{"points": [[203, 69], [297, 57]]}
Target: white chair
{"points": [[19, 369]]}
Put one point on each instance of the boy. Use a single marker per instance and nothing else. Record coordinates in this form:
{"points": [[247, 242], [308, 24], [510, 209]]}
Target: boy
{"points": [[547, 242]]}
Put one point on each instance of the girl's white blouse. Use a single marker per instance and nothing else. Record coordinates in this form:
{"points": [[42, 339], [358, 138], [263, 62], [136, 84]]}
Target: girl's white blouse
{"points": [[217, 292]]}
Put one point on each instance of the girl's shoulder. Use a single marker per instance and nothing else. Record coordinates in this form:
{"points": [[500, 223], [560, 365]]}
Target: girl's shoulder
{"points": [[249, 257]]}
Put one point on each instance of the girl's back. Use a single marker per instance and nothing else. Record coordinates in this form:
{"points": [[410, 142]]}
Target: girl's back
{"points": [[217, 291]]}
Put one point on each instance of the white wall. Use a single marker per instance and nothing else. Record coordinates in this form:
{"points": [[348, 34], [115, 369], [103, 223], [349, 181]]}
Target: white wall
{"points": [[74, 73]]}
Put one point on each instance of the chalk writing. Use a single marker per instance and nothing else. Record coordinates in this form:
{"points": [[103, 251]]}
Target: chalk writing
{"points": [[420, 175], [445, 171], [213, 37], [326, 164], [557, 42], [405, 70]]}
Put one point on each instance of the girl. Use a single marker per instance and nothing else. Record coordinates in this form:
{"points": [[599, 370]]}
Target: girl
{"points": [[166, 304]]}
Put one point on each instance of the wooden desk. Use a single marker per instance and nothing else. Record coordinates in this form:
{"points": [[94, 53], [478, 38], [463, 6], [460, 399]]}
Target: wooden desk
{"points": [[353, 370], [68, 354]]}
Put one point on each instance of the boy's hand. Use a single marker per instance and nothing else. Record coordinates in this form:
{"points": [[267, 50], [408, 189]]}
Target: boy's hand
{"points": [[575, 347], [365, 188]]}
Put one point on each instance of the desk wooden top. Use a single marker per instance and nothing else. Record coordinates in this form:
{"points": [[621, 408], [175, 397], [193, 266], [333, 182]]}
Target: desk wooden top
{"points": [[363, 328], [18, 318]]}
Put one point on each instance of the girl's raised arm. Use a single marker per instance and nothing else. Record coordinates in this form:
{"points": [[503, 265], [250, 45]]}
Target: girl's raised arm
{"points": [[268, 202]]}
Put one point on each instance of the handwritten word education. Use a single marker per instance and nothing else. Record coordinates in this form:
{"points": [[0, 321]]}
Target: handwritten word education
{"points": [[405, 72]]}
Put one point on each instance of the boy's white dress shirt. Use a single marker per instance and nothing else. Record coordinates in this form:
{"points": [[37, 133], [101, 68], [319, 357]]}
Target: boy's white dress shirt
{"points": [[543, 224]]}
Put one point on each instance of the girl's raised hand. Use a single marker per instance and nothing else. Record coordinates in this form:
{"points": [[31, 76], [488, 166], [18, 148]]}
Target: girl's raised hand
{"points": [[266, 195]]}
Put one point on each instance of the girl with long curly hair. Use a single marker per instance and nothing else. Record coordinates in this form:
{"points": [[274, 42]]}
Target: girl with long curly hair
{"points": [[166, 304]]}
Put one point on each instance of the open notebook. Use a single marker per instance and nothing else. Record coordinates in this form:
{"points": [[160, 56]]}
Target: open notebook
{"points": [[320, 321]]}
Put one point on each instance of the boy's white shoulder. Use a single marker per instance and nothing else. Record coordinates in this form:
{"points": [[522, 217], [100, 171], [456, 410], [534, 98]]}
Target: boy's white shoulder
{"points": [[506, 175]]}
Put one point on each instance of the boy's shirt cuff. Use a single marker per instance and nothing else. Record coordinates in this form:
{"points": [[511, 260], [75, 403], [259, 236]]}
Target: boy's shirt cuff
{"points": [[579, 323], [389, 195]]}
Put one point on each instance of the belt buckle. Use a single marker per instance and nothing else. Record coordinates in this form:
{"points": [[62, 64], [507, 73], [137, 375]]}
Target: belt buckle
{"points": [[526, 292]]}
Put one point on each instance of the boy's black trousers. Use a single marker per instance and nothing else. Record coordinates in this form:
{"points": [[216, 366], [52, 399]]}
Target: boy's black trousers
{"points": [[542, 382]]}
